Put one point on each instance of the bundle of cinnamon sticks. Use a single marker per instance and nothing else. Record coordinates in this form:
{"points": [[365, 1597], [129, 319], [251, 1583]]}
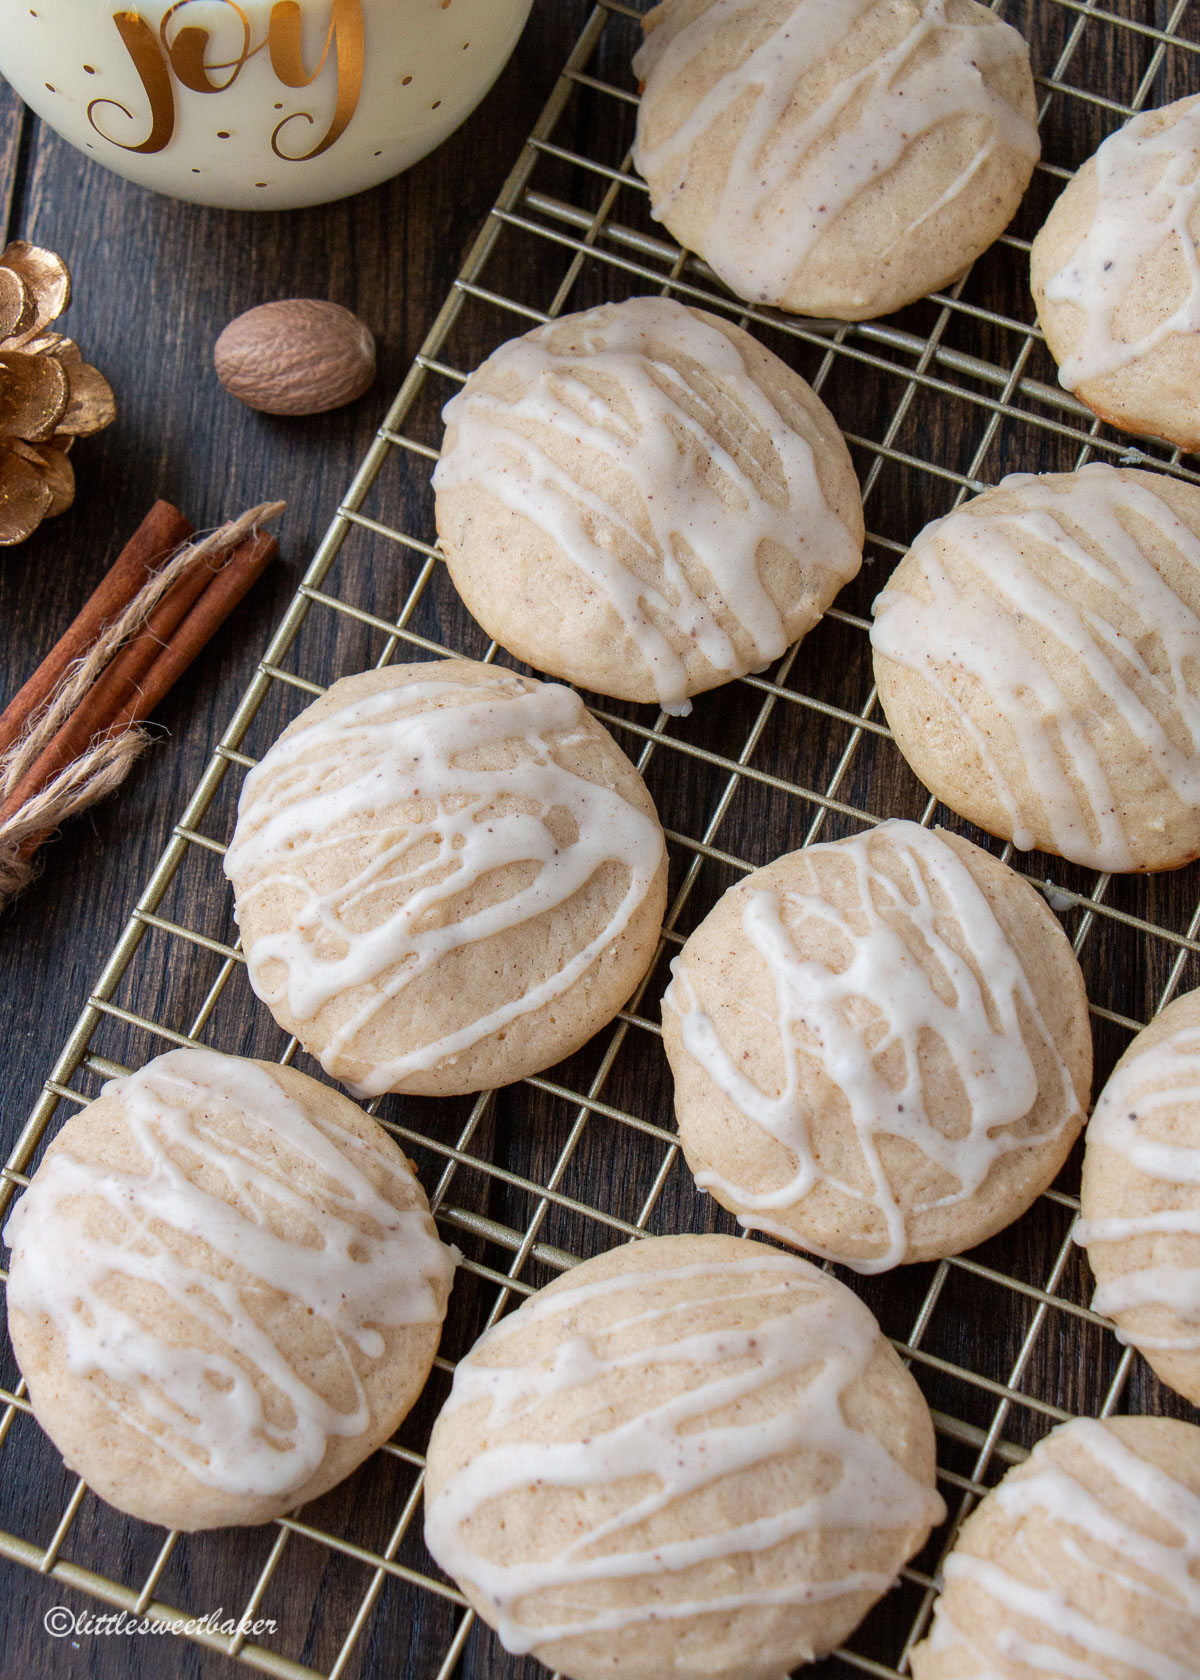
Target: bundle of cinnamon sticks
{"points": [[71, 733]]}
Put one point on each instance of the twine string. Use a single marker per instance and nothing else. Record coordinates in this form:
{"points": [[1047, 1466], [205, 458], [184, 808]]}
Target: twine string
{"points": [[108, 759]]}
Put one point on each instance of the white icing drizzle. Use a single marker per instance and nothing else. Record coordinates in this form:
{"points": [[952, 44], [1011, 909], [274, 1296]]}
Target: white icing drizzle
{"points": [[1060, 1497], [1147, 191], [700, 507], [319, 792], [374, 1267], [808, 1328], [1163, 1078], [818, 1017], [997, 635], [788, 181], [946, 1635]]}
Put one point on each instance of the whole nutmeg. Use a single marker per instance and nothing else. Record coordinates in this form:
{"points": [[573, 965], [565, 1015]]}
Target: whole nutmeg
{"points": [[297, 356]]}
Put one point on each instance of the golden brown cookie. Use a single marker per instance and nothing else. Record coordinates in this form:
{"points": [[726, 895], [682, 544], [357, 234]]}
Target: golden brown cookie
{"points": [[225, 1291], [1081, 1565], [834, 159], [1116, 279], [643, 500], [447, 876], [1140, 1197], [692, 1456], [880, 1046], [1037, 653]]}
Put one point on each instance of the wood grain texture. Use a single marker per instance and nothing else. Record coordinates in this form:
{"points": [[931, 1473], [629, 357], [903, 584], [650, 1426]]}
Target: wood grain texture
{"points": [[155, 282]]}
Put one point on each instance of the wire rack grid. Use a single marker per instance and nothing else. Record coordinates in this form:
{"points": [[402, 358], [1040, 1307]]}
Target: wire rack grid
{"points": [[935, 402]]}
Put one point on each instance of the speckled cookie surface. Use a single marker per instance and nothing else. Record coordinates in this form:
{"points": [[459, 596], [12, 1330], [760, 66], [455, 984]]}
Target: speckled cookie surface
{"points": [[693, 1456], [1140, 1196], [880, 1047], [645, 501], [225, 1291], [1082, 1563], [1115, 276], [447, 876], [1037, 653], [834, 159]]}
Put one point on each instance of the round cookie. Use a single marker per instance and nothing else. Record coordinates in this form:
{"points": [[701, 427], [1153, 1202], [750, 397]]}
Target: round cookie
{"points": [[1037, 653], [692, 1456], [1140, 1197], [1116, 277], [880, 1046], [834, 159], [1080, 1565], [645, 501], [447, 876], [225, 1291]]}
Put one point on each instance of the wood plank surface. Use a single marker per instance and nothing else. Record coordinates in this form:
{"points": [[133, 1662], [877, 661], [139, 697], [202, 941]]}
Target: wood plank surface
{"points": [[154, 283]]}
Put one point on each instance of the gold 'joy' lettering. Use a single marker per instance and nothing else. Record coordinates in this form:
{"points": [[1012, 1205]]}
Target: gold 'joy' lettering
{"points": [[186, 52], [287, 60], [160, 57], [141, 44]]}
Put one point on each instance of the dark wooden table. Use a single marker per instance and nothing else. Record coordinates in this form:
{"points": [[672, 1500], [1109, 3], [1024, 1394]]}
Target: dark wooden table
{"points": [[154, 283]]}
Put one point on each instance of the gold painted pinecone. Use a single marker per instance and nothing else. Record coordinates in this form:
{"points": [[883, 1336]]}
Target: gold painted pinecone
{"points": [[49, 395]]}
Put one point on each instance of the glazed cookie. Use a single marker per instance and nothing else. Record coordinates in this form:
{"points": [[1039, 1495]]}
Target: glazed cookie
{"points": [[834, 159], [1081, 1565], [1116, 277], [691, 1456], [880, 1046], [447, 877], [225, 1291], [1141, 1195], [644, 500], [1037, 653]]}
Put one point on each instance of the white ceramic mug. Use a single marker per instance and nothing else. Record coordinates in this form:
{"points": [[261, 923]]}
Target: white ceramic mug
{"points": [[256, 104]]}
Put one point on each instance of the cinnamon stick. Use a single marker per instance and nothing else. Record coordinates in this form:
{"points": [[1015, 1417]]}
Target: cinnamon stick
{"points": [[196, 628], [112, 689], [245, 565], [83, 735], [156, 538]]}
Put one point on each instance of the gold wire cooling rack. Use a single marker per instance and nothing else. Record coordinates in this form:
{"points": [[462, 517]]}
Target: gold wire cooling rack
{"points": [[947, 396]]}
